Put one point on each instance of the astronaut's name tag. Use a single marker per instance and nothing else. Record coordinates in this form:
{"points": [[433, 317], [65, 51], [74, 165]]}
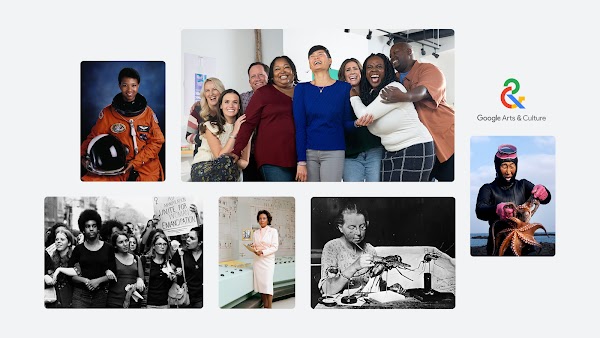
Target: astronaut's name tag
{"points": [[117, 128]]}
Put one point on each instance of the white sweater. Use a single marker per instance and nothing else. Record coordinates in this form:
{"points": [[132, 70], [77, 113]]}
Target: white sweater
{"points": [[397, 124]]}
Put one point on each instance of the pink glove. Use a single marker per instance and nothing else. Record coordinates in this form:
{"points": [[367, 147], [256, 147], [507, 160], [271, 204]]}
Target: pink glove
{"points": [[504, 210], [540, 192]]}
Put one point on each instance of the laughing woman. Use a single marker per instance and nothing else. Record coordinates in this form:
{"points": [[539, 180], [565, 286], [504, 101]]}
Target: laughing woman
{"points": [[270, 110], [201, 110], [321, 114], [409, 153], [218, 136], [363, 149]]}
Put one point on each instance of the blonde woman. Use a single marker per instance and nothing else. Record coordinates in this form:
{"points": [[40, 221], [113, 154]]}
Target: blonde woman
{"points": [[58, 274], [201, 110]]}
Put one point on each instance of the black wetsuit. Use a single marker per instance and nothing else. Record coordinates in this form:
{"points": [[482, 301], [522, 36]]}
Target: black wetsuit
{"points": [[498, 191]]}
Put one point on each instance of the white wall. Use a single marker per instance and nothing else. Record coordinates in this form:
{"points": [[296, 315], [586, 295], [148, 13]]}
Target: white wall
{"points": [[343, 45], [233, 50], [239, 213], [272, 45], [296, 44]]}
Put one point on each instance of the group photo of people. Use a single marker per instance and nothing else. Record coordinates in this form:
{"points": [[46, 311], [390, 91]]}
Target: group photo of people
{"points": [[318, 106], [122, 121], [103, 252]]}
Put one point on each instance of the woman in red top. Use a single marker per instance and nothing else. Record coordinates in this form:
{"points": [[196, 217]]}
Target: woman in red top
{"points": [[270, 110]]}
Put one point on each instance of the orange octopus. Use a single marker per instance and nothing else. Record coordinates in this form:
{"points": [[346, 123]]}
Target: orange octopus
{"points": [[520, 232]]}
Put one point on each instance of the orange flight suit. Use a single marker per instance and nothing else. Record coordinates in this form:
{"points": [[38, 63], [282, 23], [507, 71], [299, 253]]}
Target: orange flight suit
{"points": [[149, 139]]}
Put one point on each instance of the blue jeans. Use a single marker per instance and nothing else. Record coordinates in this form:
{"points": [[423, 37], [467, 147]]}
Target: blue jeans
{"points": [[273, 173], [366, 167], [85, 299]]}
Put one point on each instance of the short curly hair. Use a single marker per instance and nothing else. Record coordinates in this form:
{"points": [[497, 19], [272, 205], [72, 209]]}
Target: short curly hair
{"points": [[88, 215], [265, 212]]}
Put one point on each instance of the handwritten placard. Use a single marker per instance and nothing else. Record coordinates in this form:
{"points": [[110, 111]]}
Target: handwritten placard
{"points": [[174, 214]]}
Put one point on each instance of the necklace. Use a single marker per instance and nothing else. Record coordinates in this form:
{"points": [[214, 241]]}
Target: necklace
{"points": [[321, 89]]}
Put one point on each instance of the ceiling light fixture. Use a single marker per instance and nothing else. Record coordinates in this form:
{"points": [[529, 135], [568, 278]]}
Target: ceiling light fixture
{"points": [[438, 43]]}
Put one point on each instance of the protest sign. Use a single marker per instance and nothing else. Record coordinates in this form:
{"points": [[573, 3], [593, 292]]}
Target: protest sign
{"points": [[175, 217]]}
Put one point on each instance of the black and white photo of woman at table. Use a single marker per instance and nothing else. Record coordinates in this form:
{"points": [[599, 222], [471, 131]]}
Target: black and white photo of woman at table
{"points": [[382, 252]]}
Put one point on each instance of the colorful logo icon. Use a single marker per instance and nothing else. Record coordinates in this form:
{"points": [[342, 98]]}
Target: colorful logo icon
{"points": [[505, 93]]}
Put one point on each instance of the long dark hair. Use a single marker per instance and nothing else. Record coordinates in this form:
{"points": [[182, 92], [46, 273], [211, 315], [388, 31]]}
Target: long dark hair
{"points": [[219, 119], [342, 70], [367, 93]]}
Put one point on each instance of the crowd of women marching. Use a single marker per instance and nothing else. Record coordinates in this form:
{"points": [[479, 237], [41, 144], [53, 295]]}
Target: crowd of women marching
{"points": [[116, 265]]}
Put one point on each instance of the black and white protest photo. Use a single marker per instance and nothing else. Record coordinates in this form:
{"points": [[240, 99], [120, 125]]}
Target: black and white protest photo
{"points": [[120, 252]]}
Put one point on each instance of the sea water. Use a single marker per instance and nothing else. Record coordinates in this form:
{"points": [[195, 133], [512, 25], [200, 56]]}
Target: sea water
{"points": [[540, 237]]}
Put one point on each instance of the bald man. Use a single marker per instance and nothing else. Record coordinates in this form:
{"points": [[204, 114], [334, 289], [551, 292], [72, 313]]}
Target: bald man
{"points": [[426, 88]]}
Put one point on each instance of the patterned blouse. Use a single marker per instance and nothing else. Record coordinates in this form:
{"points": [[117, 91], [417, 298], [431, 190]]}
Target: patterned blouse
{"points": [[337, 254]]}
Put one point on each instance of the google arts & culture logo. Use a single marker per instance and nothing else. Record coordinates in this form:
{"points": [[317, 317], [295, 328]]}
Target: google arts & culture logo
{"points": [[512, 86]]}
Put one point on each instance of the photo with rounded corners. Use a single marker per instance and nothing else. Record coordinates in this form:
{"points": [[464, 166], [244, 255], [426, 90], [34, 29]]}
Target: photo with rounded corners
{"points": [[123, 127], [383, 253], [123, 252], [512, 193], [257, 252], [317, 105]]}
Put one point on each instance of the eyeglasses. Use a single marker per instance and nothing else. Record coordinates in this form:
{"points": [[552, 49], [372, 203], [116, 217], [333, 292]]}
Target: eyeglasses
{"points": [[362, 227]]}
